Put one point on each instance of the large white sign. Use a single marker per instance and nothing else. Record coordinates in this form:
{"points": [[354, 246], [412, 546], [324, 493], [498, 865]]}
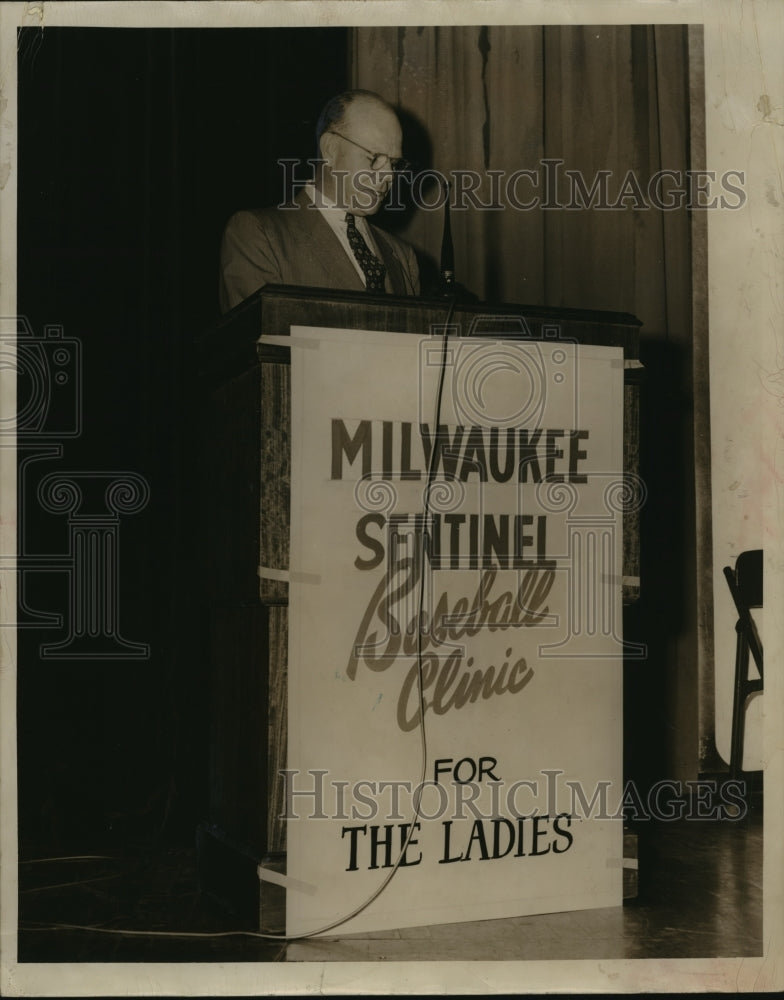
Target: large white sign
{"points": [[455, 678]]}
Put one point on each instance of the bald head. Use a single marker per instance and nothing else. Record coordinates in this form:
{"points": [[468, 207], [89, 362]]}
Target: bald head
{"points": [[358, 134]]}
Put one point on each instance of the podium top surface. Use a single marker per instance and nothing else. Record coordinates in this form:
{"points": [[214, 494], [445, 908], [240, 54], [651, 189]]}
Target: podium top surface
{"points": [[231, 343]]}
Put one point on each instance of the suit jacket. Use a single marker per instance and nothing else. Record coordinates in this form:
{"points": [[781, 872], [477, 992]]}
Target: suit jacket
{"points": [[296, 246]]}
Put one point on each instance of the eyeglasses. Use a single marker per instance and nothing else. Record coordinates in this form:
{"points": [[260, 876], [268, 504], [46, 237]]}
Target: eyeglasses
{"points": [[378, 161]]}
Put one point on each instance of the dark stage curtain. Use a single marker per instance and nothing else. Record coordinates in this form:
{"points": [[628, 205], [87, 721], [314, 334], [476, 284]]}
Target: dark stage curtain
{"points": [[135, 146]]}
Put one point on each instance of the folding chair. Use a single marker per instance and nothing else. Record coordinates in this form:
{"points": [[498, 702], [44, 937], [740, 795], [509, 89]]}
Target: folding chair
{"points": [[745, 583]]}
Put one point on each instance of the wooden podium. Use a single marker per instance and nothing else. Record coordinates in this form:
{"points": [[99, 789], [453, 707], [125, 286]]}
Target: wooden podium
{"points": [[246, 479]]}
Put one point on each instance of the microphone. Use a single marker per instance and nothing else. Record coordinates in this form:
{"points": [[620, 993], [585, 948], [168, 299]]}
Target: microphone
{"points": [[447, 247], [448, 286]]}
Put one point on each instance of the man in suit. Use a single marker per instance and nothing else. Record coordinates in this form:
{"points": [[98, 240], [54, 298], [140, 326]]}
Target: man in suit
{"points": [[324, 238]]}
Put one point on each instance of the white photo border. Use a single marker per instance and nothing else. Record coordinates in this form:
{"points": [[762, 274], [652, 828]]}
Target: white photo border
{"points": [[742, 62]]}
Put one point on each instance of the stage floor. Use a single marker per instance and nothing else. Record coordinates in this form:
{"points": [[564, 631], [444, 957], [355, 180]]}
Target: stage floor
{"points": [[700, 896]]}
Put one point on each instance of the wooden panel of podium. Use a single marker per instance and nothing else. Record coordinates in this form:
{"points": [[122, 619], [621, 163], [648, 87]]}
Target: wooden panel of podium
{"points": [[246, 480]]}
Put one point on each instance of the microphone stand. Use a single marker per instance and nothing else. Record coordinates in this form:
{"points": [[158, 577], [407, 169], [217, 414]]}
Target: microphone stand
{"points": [[449, 288]]}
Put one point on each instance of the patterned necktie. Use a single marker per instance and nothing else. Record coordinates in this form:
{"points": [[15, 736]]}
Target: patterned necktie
{"points": [[372, 267]]}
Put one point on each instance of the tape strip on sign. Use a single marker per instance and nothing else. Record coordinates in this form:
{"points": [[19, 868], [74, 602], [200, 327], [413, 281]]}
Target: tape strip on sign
{"points": [[268, 875], [286, 575], [272, 341], [622, 863]]}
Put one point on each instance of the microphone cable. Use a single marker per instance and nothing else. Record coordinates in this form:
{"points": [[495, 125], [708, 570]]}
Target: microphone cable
{"points": [[425, 537]]}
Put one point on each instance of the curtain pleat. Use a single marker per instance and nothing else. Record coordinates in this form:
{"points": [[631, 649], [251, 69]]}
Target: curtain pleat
{"points": [[501, 99]]}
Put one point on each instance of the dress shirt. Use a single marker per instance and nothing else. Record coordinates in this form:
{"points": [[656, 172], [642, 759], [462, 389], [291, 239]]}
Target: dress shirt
{"points": [[336, 218]]}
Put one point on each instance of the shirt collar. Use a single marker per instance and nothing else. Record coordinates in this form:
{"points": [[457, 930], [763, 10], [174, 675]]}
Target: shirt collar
{"points": [[326, 204]]}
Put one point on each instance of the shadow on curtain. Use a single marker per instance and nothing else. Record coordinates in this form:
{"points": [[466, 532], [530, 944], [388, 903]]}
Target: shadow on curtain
{"points": [[498, 101]]}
